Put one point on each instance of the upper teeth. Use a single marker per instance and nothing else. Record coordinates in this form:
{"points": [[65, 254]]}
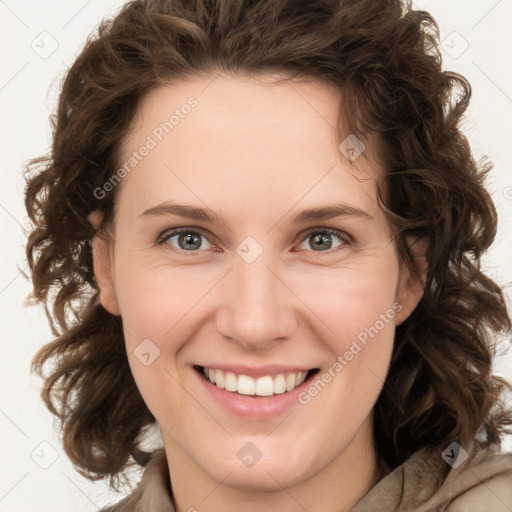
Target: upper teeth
{"points": [[263, 386]]}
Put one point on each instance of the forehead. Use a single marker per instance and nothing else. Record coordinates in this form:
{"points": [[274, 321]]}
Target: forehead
{"points": [[239, 106], [256, 136]]}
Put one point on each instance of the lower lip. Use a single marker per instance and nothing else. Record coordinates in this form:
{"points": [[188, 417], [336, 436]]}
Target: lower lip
{"points": [[253, 407]]}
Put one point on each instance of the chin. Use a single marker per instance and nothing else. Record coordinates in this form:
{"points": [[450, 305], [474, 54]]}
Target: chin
{"points": [[272, 466], [264, 478]]}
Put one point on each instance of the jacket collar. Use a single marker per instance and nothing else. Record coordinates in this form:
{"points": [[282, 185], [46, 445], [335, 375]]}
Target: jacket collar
{"points": [[419, 484]]}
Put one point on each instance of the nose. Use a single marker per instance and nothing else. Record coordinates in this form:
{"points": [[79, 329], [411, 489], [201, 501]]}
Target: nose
{"points": [[258, 309]]}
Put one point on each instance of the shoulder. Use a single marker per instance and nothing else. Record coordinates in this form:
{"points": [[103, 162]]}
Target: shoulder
{"points": [[484, 484], [152, 493], [480, 480]]}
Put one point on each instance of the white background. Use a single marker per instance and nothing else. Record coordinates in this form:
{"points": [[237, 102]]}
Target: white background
{"points": [[28, 91]]}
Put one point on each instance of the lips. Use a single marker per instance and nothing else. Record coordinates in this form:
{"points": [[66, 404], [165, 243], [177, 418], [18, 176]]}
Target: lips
{"points": [[263, 385], [266, 385], [254, 393]]}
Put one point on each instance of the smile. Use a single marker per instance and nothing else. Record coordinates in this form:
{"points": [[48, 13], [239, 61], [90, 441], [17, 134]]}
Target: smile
{"points": [[267, 385]]}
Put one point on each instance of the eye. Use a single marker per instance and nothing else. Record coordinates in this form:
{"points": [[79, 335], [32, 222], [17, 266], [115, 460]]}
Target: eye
{"points": [[186, 239], [190, 240], [322, 241]]}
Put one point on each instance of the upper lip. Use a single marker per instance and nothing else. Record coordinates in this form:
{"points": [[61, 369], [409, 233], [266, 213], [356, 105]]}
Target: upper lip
{"points": [[260, 371]]}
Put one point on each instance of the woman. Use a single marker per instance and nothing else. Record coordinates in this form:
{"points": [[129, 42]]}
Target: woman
{"points": [[267, 227]]}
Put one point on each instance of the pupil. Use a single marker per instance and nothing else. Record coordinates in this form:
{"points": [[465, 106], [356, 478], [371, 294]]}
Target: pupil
{"points": [[320, 237], [191, 240]]}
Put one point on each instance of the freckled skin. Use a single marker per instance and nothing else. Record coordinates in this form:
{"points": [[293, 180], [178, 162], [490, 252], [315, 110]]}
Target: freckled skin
{"points": [[255, 153]]}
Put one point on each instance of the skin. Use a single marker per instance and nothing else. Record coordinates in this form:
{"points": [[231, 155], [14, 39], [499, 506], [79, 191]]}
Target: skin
{"points": [[257, 153]]}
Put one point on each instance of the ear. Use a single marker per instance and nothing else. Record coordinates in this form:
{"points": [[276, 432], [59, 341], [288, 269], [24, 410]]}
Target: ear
{"points": [[103, 265], [411, 286]]}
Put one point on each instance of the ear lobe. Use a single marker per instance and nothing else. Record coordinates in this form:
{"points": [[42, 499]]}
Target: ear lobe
{"points": [[102, 266], [411, 286]]}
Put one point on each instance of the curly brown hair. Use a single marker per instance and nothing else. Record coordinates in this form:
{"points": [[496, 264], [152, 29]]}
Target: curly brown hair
{"points": [[386, 60]]}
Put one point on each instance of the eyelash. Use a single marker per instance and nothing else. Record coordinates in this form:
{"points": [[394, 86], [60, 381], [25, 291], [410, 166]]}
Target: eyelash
{"points": [[342, 235]]}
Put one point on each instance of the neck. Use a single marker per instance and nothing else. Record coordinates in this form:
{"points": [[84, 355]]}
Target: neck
{"points": [[339, 486]]}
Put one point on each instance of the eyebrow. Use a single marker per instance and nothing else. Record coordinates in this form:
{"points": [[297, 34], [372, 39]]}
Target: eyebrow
{"points": [[207, 215]]}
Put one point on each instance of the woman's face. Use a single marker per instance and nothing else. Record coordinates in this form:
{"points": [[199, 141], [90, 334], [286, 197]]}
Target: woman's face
{"points": [[284, 268]]}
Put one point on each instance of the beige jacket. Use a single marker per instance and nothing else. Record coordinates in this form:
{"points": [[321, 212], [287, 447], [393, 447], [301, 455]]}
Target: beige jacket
{"points": [[483, 484]]}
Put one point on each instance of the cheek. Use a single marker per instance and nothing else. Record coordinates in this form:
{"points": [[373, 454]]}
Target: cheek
{"points": [[349, 301], [154, 300], [157, 307], [356, 308], [358, 322], [161, 309]]}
